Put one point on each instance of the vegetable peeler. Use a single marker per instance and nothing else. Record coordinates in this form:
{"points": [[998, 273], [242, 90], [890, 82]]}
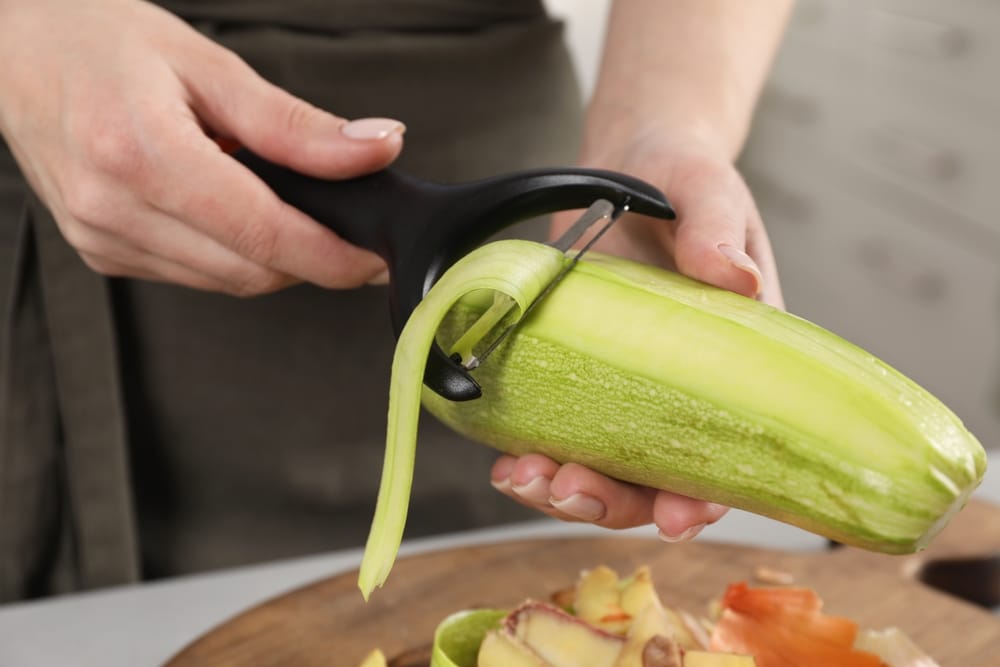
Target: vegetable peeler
{"points": [[421, 228]]}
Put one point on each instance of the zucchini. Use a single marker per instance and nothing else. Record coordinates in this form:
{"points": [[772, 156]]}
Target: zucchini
{"points": [[656, 379]]}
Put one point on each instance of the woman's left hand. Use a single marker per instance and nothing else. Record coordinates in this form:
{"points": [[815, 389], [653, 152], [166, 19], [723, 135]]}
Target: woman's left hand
{"points": [[718, 238]]}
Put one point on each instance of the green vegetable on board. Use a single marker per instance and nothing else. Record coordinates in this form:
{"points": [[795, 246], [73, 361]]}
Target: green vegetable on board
{"points": [[656, 379], [458, 637]]}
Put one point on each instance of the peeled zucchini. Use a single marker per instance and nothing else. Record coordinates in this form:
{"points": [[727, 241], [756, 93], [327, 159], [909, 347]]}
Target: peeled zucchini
{"points": [[653, 378]]}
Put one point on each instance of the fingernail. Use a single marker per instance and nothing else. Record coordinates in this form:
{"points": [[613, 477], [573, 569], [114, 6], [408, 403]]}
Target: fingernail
{"points": [[688, 534], [536, 491], [501, 485], [580, 506], [368, 129], [716, 510], [380, 278], [743, 262]]}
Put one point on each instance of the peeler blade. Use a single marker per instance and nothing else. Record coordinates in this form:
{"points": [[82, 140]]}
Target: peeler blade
{"points": [[602, 212]]}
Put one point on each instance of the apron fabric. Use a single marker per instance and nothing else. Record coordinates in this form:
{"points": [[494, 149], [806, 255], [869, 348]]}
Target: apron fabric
{"points": [[66, 517], [149, 430]]}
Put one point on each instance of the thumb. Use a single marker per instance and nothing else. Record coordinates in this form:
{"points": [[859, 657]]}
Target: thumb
{"points": [[236, 103], [711, 246]]}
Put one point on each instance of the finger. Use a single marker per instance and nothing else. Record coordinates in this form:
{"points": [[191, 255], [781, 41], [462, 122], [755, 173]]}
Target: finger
{"points": [[150, 268], [572, 492], [587, 495], [236, 102], [159, 235], [530, 478], [130, 233], [711, 234], [231, 205], [681, 518], [533, 474], [500, 472]]}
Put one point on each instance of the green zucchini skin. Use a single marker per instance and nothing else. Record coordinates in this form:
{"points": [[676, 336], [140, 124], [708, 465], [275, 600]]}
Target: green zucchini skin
{"points": [[656, 379]]}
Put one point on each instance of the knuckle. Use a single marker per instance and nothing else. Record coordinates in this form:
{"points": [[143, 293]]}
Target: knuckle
{"points": [[116, 149], [256, 282], [76, 236], [224, 60], [257, 242], [89, 202], [101, 265], [299, 114]]}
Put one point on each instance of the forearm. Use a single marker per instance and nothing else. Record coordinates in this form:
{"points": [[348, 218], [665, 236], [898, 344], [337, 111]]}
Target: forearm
{"points": [[692, 67]]}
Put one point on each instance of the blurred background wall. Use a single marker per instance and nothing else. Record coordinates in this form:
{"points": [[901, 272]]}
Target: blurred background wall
{"points": [[875, 161]]}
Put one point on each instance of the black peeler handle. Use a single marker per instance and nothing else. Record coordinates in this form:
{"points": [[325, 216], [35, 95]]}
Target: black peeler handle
{"points": [[355, 209], [421, 228]]}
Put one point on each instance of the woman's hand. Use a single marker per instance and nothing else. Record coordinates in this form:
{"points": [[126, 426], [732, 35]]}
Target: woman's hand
{"points": [[115, 110], [672, 106], [718, 238]]}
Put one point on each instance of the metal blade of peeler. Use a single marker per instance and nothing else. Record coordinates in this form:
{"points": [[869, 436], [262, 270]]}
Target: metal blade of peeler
{"points": [[601, 211]]}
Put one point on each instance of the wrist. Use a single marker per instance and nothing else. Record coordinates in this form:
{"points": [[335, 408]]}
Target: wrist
{"points": [[626, 141]]}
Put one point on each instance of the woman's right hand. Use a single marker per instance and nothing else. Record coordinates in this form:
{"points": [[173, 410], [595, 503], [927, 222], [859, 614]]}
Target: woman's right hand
{"points": [[115, 111]]}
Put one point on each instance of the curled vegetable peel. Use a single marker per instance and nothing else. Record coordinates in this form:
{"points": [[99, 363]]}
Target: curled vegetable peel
{"points": [[520, 270]]}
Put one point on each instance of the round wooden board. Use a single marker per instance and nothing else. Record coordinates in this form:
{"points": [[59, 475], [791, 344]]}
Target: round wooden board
{"points": [[328, 623]]}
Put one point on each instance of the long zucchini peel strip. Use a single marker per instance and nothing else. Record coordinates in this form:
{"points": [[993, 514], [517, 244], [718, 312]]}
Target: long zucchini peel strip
{"points": [[519, 270]]}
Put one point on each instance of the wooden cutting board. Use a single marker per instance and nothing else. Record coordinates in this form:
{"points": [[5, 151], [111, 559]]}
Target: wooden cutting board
{"points": [[327, 623]]}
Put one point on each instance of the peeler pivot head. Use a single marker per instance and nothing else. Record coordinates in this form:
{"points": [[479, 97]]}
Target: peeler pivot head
{"points": [[485, 208]]}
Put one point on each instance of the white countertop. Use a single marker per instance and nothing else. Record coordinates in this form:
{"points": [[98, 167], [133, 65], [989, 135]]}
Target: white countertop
{"points": [[147, 624]]}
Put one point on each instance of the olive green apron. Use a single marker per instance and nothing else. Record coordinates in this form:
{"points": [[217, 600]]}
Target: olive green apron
{"points": [[148, 430]]}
